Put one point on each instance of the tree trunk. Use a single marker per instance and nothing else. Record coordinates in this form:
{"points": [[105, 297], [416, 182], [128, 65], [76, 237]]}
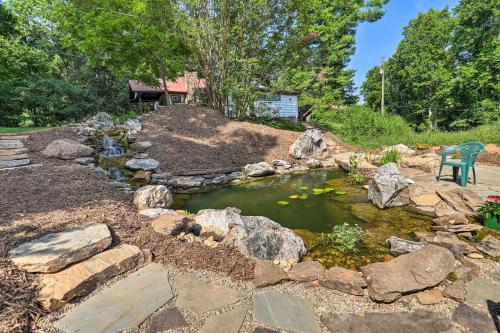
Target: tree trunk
{"points": [[166, 98]]}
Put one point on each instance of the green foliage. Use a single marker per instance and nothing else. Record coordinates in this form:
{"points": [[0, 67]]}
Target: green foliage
{"points": [[317, 68], [355, 176], [444, 73], [392, 156], [44, 83], [283, 202], [366, 128], [344, 237], [278, 123], [358, 124]]}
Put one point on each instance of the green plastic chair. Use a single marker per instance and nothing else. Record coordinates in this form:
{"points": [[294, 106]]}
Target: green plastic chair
{"points": [[468, 153]]}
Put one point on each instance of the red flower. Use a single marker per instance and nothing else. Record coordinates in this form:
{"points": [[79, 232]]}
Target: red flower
{"points": [[493, 198]]}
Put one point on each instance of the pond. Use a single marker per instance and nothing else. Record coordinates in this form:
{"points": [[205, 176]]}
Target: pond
{"points": [[312, 203]]}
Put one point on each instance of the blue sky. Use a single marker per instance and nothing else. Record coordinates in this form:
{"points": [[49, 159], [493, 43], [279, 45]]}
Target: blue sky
{"points": [[381, 38]]}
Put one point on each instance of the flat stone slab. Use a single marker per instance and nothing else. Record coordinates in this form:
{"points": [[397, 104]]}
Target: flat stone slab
{"points": [[13, 157], [14, 163], [123, 305], [10, 152], [166, 320], [490, 245], [199, 297], [55, 251], [285, 312], [82, 278], [476, 321], [480, 290], [228, 322], [267, 274], [11, 144], [408, 322]]}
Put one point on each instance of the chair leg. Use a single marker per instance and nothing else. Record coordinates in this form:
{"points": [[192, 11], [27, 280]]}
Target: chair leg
{"points": [[464, 174], [440, 169], [455, 173], [474, 174]]}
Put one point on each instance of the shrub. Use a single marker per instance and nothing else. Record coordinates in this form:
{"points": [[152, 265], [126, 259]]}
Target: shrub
{"points": [[344, 237], [392, 156]]}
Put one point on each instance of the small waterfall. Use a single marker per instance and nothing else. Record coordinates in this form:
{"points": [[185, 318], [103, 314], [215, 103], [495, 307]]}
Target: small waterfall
{"points": [[116, 174], [111, 147]]}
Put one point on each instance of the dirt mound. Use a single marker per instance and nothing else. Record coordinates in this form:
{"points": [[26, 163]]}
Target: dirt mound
{"points": [[187, 138]]}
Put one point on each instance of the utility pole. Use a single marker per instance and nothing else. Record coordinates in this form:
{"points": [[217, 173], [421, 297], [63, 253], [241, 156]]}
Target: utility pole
{"points": [[382, 71]]}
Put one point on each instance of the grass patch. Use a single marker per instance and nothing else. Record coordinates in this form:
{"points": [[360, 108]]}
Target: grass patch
{"points": [[278, 123], [363, 127], [21, 129]]}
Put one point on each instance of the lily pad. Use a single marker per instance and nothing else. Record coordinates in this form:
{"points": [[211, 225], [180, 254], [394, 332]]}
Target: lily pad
{"points": [[317, 191], [304, 188], [294, 196], [304, 196], [283, 203], [340, 192]]}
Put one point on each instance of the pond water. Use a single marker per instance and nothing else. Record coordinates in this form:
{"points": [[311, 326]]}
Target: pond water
{"points": [[312, 203]]}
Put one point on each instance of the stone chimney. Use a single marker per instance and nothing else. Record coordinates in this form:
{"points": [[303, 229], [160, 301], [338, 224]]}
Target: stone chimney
{"points": [[192, 83]]}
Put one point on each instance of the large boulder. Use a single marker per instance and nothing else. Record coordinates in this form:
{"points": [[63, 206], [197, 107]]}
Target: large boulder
{"points": [[261, 238], [217, 222], [102, 120], [386, 185], [66, 149], [310, 144], [153, 196], [142, 164], [412, 272], [260, 169]]}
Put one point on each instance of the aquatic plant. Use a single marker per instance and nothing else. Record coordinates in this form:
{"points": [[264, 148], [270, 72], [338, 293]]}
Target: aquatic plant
{"points": [[344, 237], [294, 196], [392, 156], [283, 202], [340, 192], [318, 191], [355, 176], [304, 196]]}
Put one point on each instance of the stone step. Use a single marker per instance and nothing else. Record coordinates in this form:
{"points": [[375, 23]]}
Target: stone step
{"points": [[29, 166], [55, 251], [82, 278], [13, 137], [14, 163], [13, 157], [121, 306], [11, 144], [9, 152]]}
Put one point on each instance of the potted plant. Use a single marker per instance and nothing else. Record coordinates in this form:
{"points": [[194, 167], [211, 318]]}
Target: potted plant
{"points": [[490, 211]]}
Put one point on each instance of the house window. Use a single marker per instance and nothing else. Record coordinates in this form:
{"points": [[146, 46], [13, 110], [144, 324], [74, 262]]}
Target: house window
{"points": [[176, 99]]}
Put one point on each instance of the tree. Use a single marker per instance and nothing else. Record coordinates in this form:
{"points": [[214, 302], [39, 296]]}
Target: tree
{"points": [[476, 49], [419, 76], [138, 38], [322, 76], [371, 88], [239, 46]]}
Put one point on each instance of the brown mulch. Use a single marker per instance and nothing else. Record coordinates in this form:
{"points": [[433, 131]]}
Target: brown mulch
{"points": [[188, 138]]}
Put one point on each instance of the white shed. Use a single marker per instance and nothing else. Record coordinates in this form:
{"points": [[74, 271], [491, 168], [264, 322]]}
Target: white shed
{"points": [[284, 105]]}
